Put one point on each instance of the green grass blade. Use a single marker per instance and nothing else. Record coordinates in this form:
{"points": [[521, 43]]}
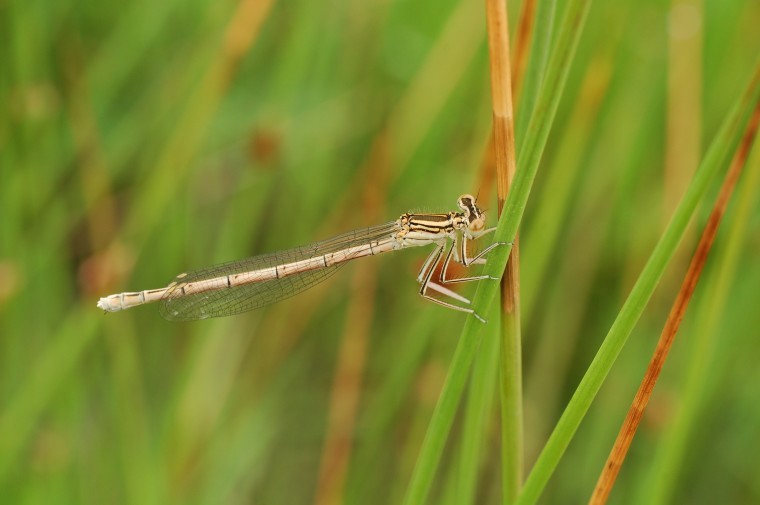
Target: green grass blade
{"points": [[724, 143], [477, 411], [511, 392]]}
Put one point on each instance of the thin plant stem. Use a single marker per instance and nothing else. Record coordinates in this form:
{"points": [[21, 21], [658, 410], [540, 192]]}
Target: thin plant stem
{"points": [[510, 349]]}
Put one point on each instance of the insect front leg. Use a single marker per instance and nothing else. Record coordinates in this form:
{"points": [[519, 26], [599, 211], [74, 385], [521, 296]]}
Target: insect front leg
{"points": [[427, 284]]}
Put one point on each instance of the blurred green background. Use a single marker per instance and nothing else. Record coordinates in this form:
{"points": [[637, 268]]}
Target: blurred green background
{"points": [[143, 139]]}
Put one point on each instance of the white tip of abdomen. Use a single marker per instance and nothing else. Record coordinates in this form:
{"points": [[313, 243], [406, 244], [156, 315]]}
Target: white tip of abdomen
{"points": [[110, 303]]}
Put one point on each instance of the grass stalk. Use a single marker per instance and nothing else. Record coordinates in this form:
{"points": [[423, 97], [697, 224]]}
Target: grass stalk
{"points": [[510, 363]]}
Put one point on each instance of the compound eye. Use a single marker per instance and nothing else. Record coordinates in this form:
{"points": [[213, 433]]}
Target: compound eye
{"points": [[466, 202]]}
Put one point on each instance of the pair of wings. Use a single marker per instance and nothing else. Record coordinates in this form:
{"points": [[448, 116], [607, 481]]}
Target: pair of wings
{"points": [[176, 306]]}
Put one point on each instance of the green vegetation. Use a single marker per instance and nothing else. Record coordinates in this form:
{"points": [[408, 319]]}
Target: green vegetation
{"points": [[158, 137]]}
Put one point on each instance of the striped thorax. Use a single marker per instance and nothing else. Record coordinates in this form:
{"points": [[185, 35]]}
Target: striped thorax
{"points": [[424, 228]]}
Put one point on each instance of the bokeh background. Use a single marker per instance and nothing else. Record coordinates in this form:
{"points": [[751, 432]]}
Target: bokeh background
{"points": [[143, 139]]}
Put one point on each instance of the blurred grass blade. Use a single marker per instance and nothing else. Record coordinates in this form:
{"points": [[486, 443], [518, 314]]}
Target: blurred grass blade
{"points": [[530, 156], [526, 95], [724, 143], [21, 414], [543, 236]]}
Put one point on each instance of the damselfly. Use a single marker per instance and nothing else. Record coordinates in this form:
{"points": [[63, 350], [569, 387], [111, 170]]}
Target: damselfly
{"points": [[248, 284]]}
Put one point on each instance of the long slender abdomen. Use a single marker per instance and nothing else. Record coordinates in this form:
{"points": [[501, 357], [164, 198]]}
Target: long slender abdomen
{"points": [[122, 301]]}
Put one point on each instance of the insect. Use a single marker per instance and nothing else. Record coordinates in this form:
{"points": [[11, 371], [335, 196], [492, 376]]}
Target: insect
{"points": [[251, 283]]}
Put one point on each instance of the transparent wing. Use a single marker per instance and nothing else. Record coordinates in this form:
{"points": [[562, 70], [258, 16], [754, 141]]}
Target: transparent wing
{"points": [[176, 306]]}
